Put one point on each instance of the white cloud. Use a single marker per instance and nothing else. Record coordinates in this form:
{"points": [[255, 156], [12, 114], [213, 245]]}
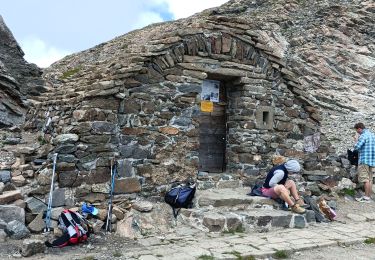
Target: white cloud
{"points": [[43, 53], [182, 10], [39, 52], [146, 18]]}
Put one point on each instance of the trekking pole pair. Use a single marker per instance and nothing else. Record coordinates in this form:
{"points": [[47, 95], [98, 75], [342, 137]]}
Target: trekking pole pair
{"points": [[108, 225], [49, 207]]}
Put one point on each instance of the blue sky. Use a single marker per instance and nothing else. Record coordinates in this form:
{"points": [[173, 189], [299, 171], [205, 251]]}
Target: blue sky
{"points": [[47, 30]]}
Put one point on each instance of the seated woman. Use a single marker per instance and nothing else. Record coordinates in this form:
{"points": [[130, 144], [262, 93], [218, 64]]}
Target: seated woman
{"points": [[277, 185]]}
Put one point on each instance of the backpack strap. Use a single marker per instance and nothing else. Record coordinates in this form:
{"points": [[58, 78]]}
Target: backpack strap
{"points": [[175, 212]]}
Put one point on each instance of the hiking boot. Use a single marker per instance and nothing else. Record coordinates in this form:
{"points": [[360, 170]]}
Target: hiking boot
{"points": [[297, 209], [300, 202], [363, 199]]}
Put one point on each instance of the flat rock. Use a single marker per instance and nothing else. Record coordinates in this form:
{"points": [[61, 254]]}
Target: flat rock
{"points": [[32, 246], [12, 212], [142, 206], [10, 196]]}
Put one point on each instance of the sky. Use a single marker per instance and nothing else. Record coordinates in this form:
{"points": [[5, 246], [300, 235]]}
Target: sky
{"points": [[48, 30]]}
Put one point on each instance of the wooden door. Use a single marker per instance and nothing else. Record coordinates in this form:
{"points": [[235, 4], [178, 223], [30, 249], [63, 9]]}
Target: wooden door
{"points": [[212, 140]]}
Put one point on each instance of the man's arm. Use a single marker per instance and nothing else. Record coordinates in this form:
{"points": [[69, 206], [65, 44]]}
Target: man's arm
{"points": [[360, 143], [278, 175]]}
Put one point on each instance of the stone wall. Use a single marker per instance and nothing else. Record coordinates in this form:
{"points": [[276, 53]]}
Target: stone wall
{"points": [[146, 114]]}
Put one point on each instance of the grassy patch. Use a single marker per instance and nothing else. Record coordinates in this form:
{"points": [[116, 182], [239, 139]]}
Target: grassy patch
{"points": [[90, 257], [236, 254], [117, 254], [239, 229], [350, 192], [370, 240], [281, 254], [206, 257], [249, 258], [69, 73], [239, 256], [41, 140]]}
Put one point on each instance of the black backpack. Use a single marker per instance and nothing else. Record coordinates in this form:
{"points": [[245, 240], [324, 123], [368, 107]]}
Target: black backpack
{"points": [[180, 196], [353, 157]]}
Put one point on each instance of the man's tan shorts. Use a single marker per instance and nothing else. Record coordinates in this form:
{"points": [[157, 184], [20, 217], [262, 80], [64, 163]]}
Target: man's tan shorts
{"points": [[365, 173]]}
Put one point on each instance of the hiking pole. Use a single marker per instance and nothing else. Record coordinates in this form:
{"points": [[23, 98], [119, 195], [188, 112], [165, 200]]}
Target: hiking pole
{"points": [[108, 226], [49, 208]]}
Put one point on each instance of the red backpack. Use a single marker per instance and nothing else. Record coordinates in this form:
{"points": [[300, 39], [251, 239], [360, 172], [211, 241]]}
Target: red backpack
{"points": [[75, 229], [73, 223]]}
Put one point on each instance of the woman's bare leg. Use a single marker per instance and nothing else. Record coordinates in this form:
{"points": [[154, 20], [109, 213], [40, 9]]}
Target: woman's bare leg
{"points": [[284, 194], [290, 185]]}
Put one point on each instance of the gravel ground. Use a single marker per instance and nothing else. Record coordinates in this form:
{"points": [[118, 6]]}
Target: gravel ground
{"points": [[98, 247]]}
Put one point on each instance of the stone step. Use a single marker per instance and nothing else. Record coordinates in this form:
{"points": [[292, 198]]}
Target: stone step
{"points": [[231, 197], [232, 210], [243, 221]]}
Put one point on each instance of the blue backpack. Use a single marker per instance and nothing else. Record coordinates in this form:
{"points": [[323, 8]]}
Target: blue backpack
{"points": [[180, 196]]}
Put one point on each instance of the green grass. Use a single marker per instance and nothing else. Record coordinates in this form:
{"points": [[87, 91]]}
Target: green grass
{"points": [[249, 258], [281, 254], [206, 257], [90, 257], [239, 229], [69, 73], [117, 254], [370, 240], [41, 140], [350, 192], [239, 256]]}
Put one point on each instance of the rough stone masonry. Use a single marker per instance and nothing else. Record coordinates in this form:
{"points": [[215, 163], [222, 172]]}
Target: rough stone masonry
{"points": [[138, 97], [147, 113]]}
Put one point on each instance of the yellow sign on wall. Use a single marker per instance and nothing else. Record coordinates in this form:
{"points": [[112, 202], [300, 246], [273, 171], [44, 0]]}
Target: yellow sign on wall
{"points": [[207, 106]]}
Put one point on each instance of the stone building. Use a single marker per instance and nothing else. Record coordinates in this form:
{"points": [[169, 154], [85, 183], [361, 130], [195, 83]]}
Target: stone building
{"points": [[139, 98]]}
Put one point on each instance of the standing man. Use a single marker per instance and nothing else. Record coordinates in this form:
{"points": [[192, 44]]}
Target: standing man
{"points": [[366, 163], [277, 185]]}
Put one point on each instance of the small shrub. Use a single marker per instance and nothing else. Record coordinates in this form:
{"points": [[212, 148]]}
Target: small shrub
{"points": [[370, 240], [281, 254], [206, 257]]}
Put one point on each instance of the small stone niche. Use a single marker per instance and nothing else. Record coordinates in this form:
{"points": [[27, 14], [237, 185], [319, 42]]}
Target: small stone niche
{"points": [[264, 118]]}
